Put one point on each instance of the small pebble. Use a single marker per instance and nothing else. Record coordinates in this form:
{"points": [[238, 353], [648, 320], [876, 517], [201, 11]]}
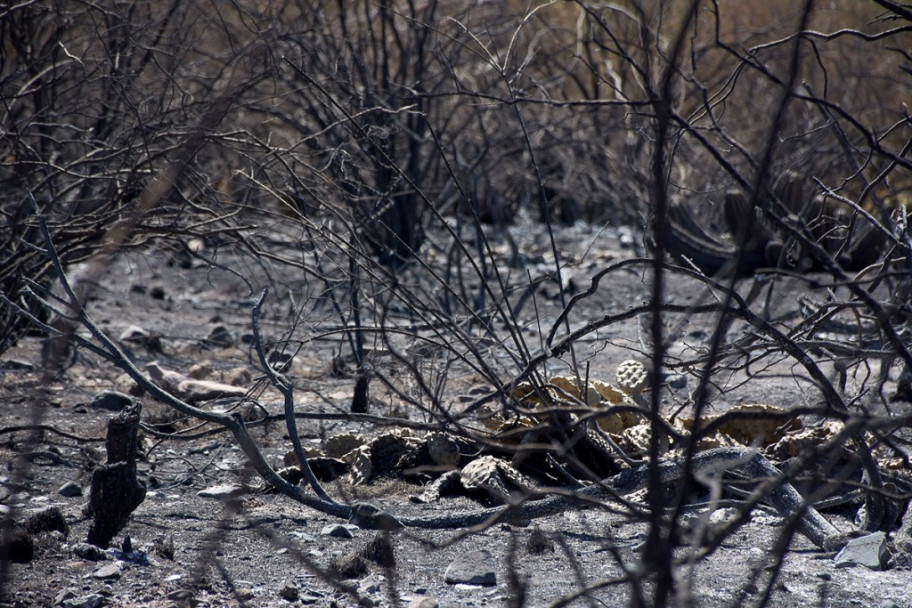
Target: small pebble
{"points": [[63, 595], [200, 371], [220, 336], [677, 381], [370, 586], [304, 537], [245, 594], [339, 530], [134, 333], [15, 365], [184, 596], [108, 571], [222, 492], [289, 591], [467, 587], [239, 376], [473, 568], [724, 516], [93, 600], [70, 489], [111, 400]]}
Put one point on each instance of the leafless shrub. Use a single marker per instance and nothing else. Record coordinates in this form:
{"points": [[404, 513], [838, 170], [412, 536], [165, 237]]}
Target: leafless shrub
{"points": [[383, 139]]}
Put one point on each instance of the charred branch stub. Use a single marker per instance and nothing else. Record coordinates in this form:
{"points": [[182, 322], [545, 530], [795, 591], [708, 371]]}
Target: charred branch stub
{"points": [[116, 492], [361, 399]]}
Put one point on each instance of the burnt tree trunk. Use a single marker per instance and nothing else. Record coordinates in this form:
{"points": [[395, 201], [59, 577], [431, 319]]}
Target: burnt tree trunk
{"points": [[115, 490]]}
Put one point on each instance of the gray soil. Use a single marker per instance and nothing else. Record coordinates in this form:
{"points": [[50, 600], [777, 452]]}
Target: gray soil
{"points": [[190, 550]]}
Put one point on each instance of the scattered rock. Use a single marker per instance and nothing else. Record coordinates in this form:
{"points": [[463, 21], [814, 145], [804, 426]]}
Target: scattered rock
{"points": [[888, 604], [239, 376], [626, 238], [339, 530], [304, 537], [17, 365], [473, 568], [181, 596], [423, 601], [138, 336], [222, 492], [220, 337], [724, 516], [134, 333], [70, 489], [89, 552], [63, 595], [289, 591], [109, 571], [676, 381], [133, 557], [199, 371], [371, 586], [93, 600], [870, 551], [111, 400], [370, 517], [164, 376]]}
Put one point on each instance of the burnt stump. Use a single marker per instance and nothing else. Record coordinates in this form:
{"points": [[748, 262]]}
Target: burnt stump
{"points": [[116, 492]]}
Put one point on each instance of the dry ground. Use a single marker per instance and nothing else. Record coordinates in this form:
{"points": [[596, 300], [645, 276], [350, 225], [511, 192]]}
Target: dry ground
{"points": [[246, 552]]}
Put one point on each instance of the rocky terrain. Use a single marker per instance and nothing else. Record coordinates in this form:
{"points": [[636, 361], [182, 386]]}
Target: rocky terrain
{"points": [[210, 533]]}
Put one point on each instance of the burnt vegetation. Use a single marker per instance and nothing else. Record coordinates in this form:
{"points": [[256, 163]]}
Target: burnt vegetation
{"points": [[366, 161]]}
